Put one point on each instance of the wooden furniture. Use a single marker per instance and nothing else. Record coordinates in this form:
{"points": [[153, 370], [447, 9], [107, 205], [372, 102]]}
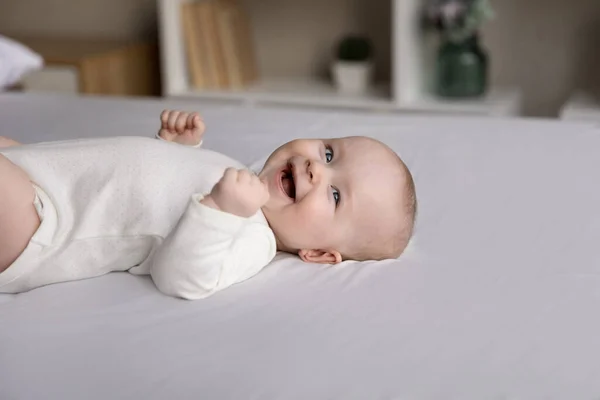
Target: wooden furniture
{"points": [[406, 92], [88, 66]]}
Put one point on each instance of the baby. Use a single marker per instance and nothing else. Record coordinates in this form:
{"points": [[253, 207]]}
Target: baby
{"points": [[195, 220]]}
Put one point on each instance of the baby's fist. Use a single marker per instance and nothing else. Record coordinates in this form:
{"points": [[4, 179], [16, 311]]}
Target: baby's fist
{"points": [[240, 192], [181, 127]]}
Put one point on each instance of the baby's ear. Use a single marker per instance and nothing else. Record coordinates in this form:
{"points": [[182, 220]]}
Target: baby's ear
{"points": [[320, 256]]}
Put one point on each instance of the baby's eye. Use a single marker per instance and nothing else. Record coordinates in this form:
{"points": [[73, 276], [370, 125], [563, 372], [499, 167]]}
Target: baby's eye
{"points": [[328, 154], [336, 196]]}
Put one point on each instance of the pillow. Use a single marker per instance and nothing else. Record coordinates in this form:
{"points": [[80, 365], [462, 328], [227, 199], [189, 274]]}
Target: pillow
{"points": [[15, 61]]}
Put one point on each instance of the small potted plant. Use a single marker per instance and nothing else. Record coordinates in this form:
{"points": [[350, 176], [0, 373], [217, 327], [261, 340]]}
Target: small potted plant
{"points": [[353, 65], [462, 63]]}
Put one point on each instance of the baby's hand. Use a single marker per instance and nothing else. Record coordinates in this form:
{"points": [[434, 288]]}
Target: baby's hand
{"points": [[239, 192], [181, 127]]}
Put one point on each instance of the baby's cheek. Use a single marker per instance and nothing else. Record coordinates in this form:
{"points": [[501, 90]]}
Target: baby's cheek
{"points": [[315, 221], [303, 229]]}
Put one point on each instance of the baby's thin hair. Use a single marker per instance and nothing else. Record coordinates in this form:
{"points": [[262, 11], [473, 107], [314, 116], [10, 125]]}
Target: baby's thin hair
{"points": [[388, 246], [411, 210]]}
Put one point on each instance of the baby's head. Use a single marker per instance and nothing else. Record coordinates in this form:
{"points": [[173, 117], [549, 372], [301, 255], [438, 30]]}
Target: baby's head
{"points": [[339, 199]]}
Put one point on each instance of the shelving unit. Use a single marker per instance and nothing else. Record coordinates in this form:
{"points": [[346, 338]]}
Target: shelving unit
{"points": [[405, 93], [581, 107], [92, 66], [297, 91]]}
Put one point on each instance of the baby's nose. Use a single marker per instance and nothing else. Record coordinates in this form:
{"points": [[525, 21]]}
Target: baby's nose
{"points": [[309, 170], [314, 170]]}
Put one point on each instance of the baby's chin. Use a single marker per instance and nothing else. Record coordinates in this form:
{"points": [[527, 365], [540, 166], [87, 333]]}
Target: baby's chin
{"points": [[262, 174], [267, 170]]}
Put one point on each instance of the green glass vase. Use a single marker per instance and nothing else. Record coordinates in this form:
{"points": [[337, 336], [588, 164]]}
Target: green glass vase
{"points": [[462, 68]]}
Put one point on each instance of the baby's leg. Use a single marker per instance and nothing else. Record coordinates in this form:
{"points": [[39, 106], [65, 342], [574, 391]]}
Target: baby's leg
{"points": [[18, 218], [6, 142]]}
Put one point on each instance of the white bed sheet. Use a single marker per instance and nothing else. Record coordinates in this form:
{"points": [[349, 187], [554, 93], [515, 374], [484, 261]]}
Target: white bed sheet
{"points": [[497, 298]]}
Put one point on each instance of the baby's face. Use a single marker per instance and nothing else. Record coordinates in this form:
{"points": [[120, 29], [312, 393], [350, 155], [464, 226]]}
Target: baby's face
{"points": [[326, 194]]}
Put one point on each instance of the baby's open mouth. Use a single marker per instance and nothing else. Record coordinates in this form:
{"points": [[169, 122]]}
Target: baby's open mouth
{"points": [[287, 182]]}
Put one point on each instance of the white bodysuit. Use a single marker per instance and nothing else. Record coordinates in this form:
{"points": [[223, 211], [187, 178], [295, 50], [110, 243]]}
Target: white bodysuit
{"points": [[132, 204]]}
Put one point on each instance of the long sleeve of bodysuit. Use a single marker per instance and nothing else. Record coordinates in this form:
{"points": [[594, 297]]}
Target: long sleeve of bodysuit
{"points": [[210, 250]]}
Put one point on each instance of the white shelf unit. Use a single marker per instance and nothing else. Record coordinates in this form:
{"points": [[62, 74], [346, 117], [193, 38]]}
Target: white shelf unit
{"points": [[406, 92], [296, 91], [581, 107]]}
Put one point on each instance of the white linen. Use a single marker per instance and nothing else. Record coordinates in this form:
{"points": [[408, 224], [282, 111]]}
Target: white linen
{"points": [[497, 298]]}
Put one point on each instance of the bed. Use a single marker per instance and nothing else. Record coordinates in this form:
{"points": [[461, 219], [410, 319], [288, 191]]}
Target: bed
{"points": [[497, 297]]}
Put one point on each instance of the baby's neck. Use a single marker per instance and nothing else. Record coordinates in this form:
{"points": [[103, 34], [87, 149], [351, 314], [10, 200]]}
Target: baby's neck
{"points": [[280, 245]]}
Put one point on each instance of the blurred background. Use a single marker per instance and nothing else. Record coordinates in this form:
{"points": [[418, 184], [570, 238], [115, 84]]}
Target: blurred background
{"points": [[531, 58]]}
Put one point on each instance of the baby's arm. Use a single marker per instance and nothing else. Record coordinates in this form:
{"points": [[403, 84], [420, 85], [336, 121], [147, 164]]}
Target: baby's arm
{"points": [[210, 250], [181, 127], [215, 244]]}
